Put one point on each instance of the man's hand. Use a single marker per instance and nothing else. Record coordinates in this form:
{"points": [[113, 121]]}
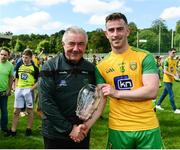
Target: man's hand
{"points": [[176, 78], [78, 133], [8, 92], [108, 90]]}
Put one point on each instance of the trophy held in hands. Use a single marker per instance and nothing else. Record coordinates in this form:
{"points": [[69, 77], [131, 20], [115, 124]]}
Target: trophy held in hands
{"points": [[88, 100]]}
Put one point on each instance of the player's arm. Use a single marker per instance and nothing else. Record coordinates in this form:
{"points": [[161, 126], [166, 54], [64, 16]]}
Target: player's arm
{"points": [[89, 123], [99, 80], [167, 72], [11, 79], [36, 76], [176, 76], [34, 86]]}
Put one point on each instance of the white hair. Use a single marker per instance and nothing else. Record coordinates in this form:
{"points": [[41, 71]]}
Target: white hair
{"points": [[76, 30]]}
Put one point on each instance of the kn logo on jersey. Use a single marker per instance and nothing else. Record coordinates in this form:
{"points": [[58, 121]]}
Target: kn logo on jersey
{"points": [[123, 83]]}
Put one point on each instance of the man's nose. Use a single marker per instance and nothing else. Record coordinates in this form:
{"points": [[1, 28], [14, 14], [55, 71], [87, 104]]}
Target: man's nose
{"points": [[76, 47], [115, 33]]}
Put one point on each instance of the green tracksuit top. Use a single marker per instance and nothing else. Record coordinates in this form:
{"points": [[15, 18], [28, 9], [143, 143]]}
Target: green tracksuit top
{"points": [[59, 86]]}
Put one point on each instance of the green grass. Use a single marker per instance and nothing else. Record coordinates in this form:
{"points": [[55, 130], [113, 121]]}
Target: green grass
{"points": [[169, 123], [21, 141]]}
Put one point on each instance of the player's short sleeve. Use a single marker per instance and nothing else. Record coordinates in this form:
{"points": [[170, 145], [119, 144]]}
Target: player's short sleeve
{"points": [[165, 63], [149, 65], [99, 77], [12, 70]]}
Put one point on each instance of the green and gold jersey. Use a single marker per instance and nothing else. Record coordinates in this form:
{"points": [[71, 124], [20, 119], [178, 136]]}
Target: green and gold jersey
{"points": [[124, 72], [25, 76], [170, 66]]}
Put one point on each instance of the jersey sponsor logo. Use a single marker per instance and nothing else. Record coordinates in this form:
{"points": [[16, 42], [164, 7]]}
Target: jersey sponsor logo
{"points": [[62, 83], [123, 83], [24, 76], [171, 69], [133, 66], [110, 70], [122, 67]]}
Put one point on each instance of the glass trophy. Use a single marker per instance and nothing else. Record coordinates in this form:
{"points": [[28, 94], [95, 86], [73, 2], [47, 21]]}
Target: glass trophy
{"points": [[87, 102]]}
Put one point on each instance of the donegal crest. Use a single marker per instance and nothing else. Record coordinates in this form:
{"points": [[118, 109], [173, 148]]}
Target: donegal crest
{"points": [[133, 66], [122, 67]]}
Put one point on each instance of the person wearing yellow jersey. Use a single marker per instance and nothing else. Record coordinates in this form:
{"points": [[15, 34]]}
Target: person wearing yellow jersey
{"points": [[128, 77], [26, 82], [36, 58], [170, 74]]}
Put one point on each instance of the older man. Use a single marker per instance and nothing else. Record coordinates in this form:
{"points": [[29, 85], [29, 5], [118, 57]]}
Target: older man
{"points": [[62, 78]]}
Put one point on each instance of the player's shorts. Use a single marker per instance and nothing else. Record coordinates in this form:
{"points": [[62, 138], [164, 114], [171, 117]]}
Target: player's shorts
{"points": [[22, 97], [145, 139]]}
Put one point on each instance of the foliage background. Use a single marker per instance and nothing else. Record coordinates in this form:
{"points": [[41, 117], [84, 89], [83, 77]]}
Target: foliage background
{"points": [[97, 40]]}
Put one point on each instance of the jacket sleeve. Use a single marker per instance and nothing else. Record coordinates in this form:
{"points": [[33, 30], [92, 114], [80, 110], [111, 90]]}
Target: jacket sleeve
{"points": [[36, 73], [48, 104]]}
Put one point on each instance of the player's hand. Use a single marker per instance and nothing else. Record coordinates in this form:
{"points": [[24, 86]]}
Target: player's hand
{"points": [[78, 133], [176, 77], [108, 90]]}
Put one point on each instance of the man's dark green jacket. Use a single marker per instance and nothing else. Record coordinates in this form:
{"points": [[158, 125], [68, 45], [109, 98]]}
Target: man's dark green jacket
{"points": [[59, 85]]}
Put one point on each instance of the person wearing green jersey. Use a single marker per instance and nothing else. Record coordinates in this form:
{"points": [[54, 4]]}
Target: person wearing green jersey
{"points": [[128, 79], [6, 80]]}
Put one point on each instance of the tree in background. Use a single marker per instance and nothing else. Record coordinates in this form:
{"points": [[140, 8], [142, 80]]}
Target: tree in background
{"points": [[132, 39], [159, 26], [98, 42], [56, 42], [178, 27], [52, 42], [19, 46], [151, 38], [43, 45], [177, 36]]}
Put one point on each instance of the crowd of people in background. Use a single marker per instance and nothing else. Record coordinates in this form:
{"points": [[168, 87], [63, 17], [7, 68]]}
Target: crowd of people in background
{"points": [[12, 81]]}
